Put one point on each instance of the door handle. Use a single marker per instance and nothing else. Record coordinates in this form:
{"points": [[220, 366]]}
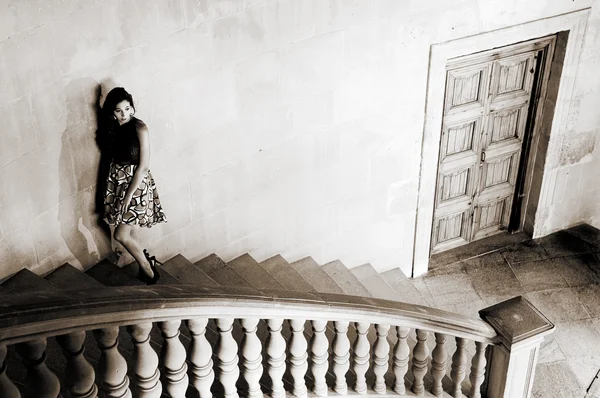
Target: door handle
{"points": [[482, 156]]}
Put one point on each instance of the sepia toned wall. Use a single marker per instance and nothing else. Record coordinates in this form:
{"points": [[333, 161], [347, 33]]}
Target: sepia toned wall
{"points": [[290, 126]]}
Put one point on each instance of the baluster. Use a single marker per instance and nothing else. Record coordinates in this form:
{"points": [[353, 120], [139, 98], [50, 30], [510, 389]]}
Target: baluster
{"points": [[341, 356], [419, 366], [80, 373], [173, 358], [276, 357], [459, 361], [228, 358], [147, 376], [7, 387], [252, 358], [201, 357], [401, 354], [40, 381], [381, 356], [438, 363], [112, 367], [478, 369], [319, 352], [298, 357], [361, 356]]}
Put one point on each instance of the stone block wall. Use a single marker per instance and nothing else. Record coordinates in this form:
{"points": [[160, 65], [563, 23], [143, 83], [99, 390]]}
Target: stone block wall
{"points": [[277, 126]]}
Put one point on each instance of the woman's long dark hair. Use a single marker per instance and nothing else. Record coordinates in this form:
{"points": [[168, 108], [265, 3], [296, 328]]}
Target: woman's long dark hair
{"points": [[107, 123], [107, 126]]}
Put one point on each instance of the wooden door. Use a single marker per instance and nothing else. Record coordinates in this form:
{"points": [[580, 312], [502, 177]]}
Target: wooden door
{"points": [[487, 103]]}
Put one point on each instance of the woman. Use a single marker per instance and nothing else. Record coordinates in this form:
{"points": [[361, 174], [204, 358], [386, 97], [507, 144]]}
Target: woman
{"points": [[131, 198]]}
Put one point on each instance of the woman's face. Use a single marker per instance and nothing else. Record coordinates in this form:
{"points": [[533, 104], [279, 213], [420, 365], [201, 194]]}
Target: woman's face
{"points": [[123, 112]]}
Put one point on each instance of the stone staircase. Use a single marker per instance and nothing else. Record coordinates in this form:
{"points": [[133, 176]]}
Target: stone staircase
{"points": [[305, 275]]}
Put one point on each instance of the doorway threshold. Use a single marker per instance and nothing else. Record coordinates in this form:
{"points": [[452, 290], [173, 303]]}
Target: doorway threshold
{"points": [[476, 248]]}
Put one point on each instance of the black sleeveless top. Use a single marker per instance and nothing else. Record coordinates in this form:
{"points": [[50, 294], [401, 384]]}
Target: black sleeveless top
{"points": [[126, 144]]}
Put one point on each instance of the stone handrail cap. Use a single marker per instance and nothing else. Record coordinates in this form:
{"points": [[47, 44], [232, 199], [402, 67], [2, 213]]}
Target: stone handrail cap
{"points": [[516, 320]]}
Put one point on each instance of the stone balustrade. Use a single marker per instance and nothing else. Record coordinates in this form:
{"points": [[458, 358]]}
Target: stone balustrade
{"points": [[240, 342]]}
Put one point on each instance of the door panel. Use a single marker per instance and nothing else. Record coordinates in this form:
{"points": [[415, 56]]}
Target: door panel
{"points": [[491, 217], [455, 193], [466, 88], [485, 117], [507, 124], [499, 173], [513, 76], [461, 138], [452, 230]]}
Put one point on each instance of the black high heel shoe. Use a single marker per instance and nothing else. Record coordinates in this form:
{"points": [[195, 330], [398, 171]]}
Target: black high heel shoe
{"points": [[142, 276], [152, 261]]}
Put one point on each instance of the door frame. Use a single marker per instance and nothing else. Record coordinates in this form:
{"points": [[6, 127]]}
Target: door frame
{"points": [[574, 22]]}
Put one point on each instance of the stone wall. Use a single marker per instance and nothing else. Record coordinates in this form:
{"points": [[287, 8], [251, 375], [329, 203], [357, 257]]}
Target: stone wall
{"points": [[290, 126]]}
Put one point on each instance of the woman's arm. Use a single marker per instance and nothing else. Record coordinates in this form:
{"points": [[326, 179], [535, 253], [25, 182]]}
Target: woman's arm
{"points": [[143, 166]]}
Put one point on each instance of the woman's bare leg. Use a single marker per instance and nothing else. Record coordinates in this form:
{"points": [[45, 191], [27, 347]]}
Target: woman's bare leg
{"points": [[124, 237]]}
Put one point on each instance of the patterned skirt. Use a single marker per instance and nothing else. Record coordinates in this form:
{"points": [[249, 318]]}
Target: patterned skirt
{"points": [[145, 209]]}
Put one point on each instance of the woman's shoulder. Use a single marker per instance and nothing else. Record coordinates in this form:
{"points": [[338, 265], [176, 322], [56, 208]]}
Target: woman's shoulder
{"points": [[139, 125]]}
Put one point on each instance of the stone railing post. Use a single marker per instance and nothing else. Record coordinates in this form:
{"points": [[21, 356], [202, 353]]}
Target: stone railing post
{"points": [[146, 383], [202, 373], [521, 329], [276, 357], [80, 375], [40, 381], [173, 357], [7, 388]]}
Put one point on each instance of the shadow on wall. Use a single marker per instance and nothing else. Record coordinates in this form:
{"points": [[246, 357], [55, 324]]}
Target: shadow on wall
{"points": [[83, 170]]}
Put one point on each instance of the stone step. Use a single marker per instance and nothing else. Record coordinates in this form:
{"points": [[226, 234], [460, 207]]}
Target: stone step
{"points": [[186, 272], [285, 274], [374, 283], [165, 277], [26, 281], [345, 279], [220, 272], [4, 291], [249, 269], [315, 276], [406, 289], [110, 275], [68, 277]]}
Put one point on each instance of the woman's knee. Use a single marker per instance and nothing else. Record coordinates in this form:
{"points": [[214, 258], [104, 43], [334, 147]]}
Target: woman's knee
{"points": [[121, 235]]}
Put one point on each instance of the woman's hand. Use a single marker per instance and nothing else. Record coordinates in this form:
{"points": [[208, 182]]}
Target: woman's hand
{"points": [[126, 203]]}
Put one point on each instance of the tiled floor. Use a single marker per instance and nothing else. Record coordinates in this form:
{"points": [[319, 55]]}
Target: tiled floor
{"points": [[560, 275]]}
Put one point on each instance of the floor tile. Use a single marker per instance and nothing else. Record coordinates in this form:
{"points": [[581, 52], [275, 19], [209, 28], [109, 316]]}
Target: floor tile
{"points": [[550, 351], [539, 275], [562, 243], [448, 269], [588, 234], [585, 369], [490, 301], [492, 277], [451, 289], [525, 251], [468, 308], [589, 297], [579, 270], [559, 305], [577, 339], [556, 380]]}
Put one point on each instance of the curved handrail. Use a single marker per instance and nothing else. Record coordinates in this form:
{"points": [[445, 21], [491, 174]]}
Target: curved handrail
{"points": [[27, 316]]}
